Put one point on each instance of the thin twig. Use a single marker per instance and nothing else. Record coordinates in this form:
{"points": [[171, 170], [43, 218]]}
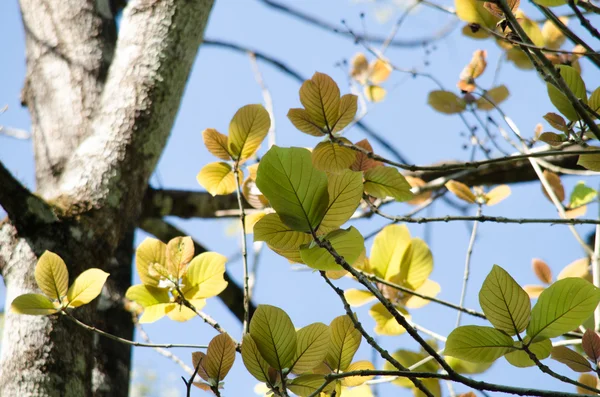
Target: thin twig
{"points": [[596, 274], [236, 172], [463, 292], [583, 20], [267, 98]]}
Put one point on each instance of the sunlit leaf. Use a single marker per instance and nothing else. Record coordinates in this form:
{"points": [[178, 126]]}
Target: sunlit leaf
{"points": [[305, 385], [582, 195], [385, 323], [151, 251], [388, 250], [588, 380], [493, 97], [429, 288], [357, 297], [475, 67], [217, 178], [146, 295], [197, 358], [497, 194], [472, 11], [533, 291], [155, 312], [216, 143], [578, 268], [219, 357], [542, 270], [382, 182], [478, 344], [345, 340], [553, 36], [467, 367], [180, 252], [253, 360], [379, 71], [421, 197], [551, 3], [416, 265], [497, 11], [594, 101], [520, 358], [362, 365], [408, 358], [331, 157], [445, 101], [277, 235], [375, 93], [531, 28], [33, 304], [320, 96], [312, 344], [205, 273], [345, 191], [363, 162], [358, 391], [51, 275], [590, 161], [248, 128], [557, 186], [575, 83], [461, 191], [348, 243], [359, 67], [591, 345], [86, 287], [275, 336], [295, 189], [302, 121], [571, 358], [181, 313], [348, 109], [562, 307]]}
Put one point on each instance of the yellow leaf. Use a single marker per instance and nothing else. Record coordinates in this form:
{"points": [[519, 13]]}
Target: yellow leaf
{"points": [[275, 336], [359, 68], [302, 121], [375, 93], [216, 143], [461, 191], [217, 178], [52, 276], [253, 195], [348, 108], [472, 11], [311, 347], [320, 96], [416, 265], [345, 192], [331, 157], [519, 58], [556, 185], [385, 322], [154, 312], [33, 304], [531, 28], [253, 360], [588, 380], [149, 252], [357, 297], [86, 287], [337, 274], [219, 357], [306, 385], [429, 288], [345, 340], [248, 127], [146, 295], [359, 391], [534, 291], [446, 102], [382, 182], [497, 11], [379, 71], [476, 67], [553, 37], [576, 212], [277, 235], [579, 268], [363, 162], [493, 97], [420, 198], [252, 219], [180, 252], [181, 313], [497, 194], [205, 274], [388, 249], [474, 32], [363, 365]]}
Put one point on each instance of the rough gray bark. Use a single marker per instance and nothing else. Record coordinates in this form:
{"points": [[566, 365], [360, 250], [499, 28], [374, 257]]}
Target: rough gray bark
{"points": [[101, 113]]}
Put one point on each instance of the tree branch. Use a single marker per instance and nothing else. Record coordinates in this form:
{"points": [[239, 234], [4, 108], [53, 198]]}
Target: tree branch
{"points": [[232, 296]]}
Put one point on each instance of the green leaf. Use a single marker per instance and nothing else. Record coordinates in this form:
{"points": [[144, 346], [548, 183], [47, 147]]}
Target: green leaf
{"points": [[348, 243], [478, 344], [347, 111], [219, 357], [590, 161], [275, 336], [575, 83], [552, 139], [151, 251], [551, 3], [331, 157], [311, 347], [345, 192], [34, 304], [295, 189], [389, 248], [363, 365], [446, 102], [205, 272], [407, 358], [594, 101], [86, 287], [279, 236], [571, 358], [466, 367], [496, 95], [320, 96], [345, 340], [217, 178], [247, 129], [385, 323], [253, 361], [582, 195], [302, 121], [305, 385], [505, 304], [382, 182], [562, 307], [51, 275], [520, 358]]}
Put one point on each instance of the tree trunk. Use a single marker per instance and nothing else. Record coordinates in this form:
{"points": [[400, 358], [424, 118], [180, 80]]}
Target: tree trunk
{"points": [[102, 108]]}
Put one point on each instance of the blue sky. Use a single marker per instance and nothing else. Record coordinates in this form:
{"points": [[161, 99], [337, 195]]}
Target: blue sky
{"points": [[222, 81]]}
